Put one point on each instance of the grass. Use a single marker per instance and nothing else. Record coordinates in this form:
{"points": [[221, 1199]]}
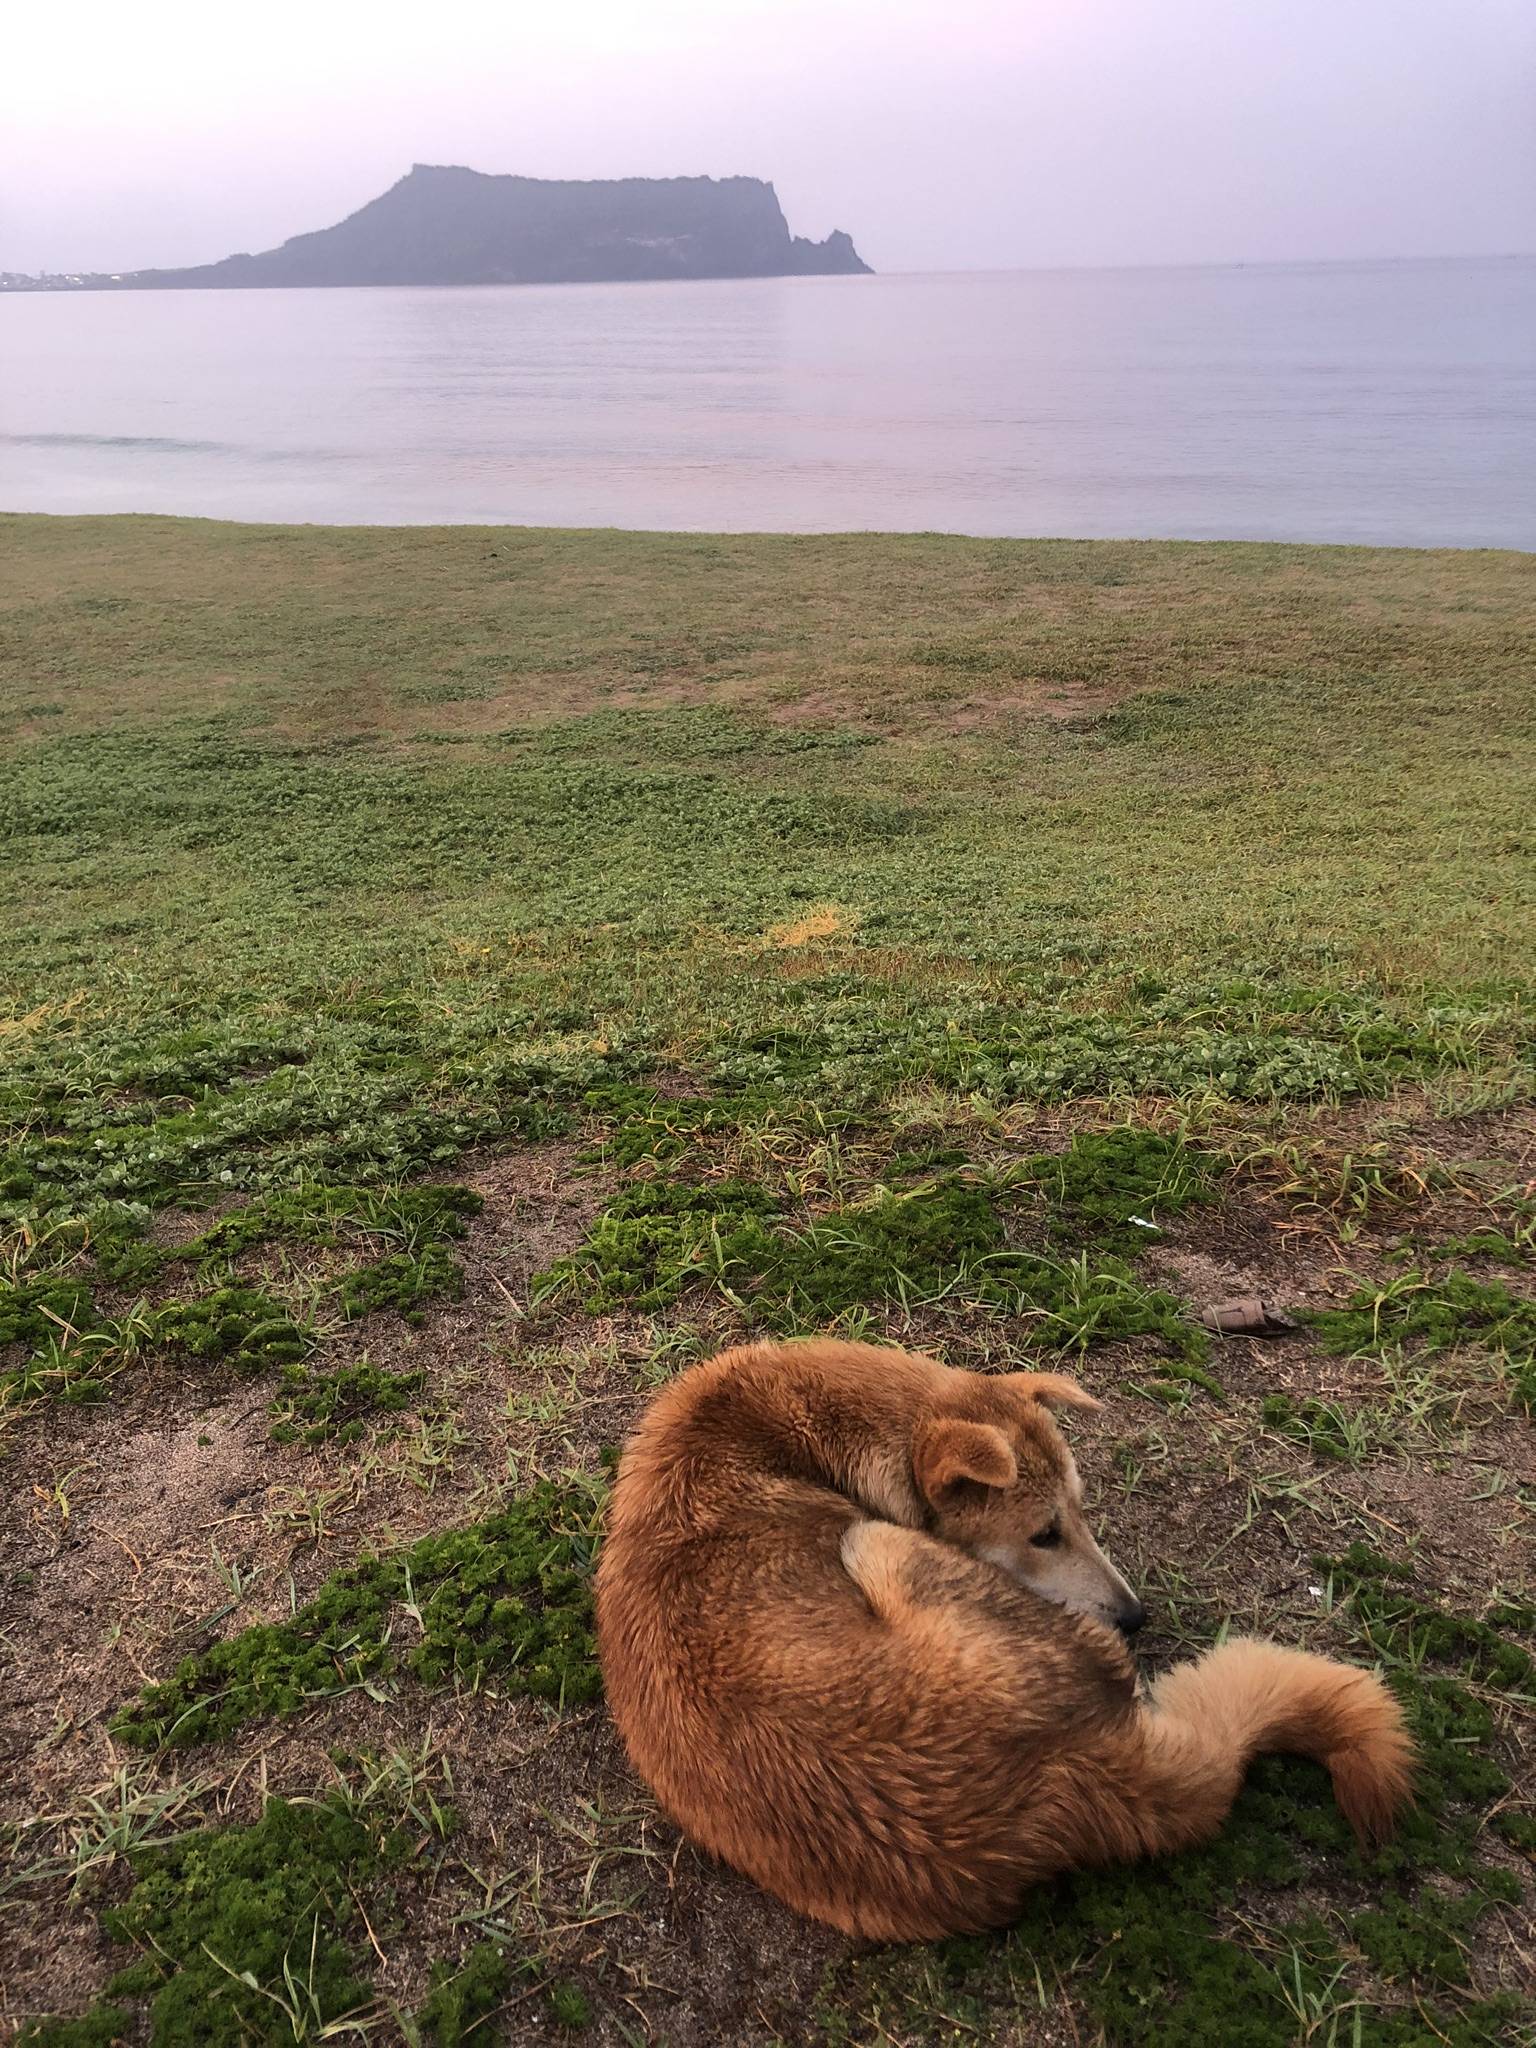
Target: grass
{"points": [[454, 979], [256, 1932], [505, 1599], [1443, 1315], [332, 1407]]}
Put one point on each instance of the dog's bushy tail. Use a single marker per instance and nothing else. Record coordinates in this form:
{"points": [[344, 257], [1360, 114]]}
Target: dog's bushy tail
{"points": [[1206, 1721]]}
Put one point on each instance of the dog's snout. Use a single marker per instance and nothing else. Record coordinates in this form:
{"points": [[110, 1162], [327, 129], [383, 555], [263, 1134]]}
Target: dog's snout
{"points": [[1130, 1617]]}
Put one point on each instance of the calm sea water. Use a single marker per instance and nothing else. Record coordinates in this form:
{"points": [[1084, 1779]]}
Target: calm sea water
{"points": [[1385, 402]]}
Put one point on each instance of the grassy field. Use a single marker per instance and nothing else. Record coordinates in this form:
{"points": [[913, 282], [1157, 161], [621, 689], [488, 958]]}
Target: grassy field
{"points": [[454, 979]]}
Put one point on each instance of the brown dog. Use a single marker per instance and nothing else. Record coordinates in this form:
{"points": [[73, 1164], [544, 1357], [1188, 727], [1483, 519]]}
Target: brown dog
{"points": [[857, 1636]]}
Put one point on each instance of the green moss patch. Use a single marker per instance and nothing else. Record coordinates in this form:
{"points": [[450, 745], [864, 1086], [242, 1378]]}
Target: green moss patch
{"points": [[1400, 1625], [1111, 1188], [1442, 1315], [252, 1933], [247, 1934], [640, 1122], [34, 1312], [1496, 1245], [465, 2000], [657, 1238], [508, 1598], [421, 1221], [240, 1325], [404, 1282], [945, 1241], [333, 1407]]}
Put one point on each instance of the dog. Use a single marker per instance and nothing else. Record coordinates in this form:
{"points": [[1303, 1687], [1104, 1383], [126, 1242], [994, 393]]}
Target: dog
{"points": [[860, 1641]]}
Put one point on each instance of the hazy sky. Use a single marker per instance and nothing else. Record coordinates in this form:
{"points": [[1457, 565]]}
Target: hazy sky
{"points": [[943, 134]]}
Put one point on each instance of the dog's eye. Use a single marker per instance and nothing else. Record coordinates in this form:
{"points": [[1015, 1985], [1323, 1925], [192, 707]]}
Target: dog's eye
{"points": [[1047, 1539]]}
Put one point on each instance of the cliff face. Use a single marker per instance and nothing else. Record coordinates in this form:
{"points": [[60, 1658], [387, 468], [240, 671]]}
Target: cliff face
{"points": [[445, 225]]}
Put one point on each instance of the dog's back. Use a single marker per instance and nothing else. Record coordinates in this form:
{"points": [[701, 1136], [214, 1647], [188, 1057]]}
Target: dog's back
{"points": [[888, 1732]]}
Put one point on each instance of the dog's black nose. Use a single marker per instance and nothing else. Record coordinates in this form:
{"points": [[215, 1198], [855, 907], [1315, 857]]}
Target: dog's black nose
{"points": [[1131, 1618]]}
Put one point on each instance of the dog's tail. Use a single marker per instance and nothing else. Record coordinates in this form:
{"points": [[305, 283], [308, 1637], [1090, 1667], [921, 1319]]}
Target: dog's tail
{"points": [[1206, 1722], [1171, 1782]]}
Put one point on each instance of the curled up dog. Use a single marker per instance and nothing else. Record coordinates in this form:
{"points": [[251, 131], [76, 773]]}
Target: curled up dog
{"points": [[858, 1637]]}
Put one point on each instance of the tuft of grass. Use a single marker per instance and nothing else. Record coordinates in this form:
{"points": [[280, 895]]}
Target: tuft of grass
{"points": [[1347, 1435]]}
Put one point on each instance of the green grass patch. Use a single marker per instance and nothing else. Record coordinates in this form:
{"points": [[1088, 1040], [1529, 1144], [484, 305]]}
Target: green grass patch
{"points": [[1258, 1041], [1497, 1245], [334, 1406], [1453, 1313], [374, 1098], [241, 1326], [327, 1214], [74, 1351], [328, 857], [639, 1122], [941, 1242], [1111, 1188], [252, 1934], [507, 1599]]}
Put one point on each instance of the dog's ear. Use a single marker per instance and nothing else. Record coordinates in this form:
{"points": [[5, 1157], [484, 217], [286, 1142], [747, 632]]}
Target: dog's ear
{"points": [[947, 1450], [1055, 1389]]}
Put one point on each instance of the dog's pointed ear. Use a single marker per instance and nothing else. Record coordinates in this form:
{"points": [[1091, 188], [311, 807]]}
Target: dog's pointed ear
{"points": [[1055, 1389], [947, 1451]]}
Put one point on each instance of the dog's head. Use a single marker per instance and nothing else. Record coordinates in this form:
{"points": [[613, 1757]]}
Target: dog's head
{"points": [[1000, 1482]]}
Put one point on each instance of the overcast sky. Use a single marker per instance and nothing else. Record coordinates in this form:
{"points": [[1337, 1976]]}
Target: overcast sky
{"points": [[943, 134]]}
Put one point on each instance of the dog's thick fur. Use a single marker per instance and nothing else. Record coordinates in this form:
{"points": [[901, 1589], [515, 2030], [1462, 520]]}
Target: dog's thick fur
{"points": [[857, 1637]]}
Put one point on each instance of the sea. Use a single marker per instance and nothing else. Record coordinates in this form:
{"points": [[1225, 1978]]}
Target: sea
{"points": [[1385, 403]]}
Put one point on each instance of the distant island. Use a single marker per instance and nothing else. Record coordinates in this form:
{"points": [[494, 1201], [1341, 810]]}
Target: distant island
{"points": [[444, 225]]}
